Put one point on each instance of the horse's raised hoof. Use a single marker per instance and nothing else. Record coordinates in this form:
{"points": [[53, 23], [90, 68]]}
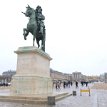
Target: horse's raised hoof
{"points": [[25, 38]]}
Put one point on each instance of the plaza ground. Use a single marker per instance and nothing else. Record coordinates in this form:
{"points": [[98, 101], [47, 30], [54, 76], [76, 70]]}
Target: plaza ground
{"points": [[98, 97]]}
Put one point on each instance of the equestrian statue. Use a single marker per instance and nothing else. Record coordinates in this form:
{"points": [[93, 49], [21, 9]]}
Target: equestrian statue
{"points": [[35, 26]]}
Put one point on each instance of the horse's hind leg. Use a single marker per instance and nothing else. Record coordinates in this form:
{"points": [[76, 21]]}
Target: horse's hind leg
{"points": [[37, 43], [43, 45], [33, 41]]}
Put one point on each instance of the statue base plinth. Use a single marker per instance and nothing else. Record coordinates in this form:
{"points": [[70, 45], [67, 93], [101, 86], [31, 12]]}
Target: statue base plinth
{"points": [[33, 73], [31, 86]]}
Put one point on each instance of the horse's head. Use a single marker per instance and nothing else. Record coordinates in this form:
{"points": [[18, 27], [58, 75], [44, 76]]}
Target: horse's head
{"points": [[29, 11]]}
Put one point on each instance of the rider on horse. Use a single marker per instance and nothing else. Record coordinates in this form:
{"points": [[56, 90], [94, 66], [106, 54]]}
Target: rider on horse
{"points": [[35, 26], [40, 17]]}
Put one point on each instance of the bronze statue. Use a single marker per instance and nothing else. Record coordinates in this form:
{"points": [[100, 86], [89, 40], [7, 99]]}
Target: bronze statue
{"points": [[35, 25]]}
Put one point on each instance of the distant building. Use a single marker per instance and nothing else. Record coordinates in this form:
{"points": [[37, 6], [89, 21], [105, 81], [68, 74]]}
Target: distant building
{"points": [[93, 78], [103, 77], [59, 76], [7, 76], [9, 73], [77, 76], [67, 77]]}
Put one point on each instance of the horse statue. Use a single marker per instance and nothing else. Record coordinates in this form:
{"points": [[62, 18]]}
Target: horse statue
{"points": [[33, 27]]}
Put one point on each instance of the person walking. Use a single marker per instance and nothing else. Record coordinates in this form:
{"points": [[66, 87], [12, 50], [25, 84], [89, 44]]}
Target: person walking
{"points": [[76, 83]]}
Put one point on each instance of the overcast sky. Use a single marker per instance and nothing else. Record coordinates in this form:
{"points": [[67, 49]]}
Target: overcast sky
{"points": [[76, 34]]}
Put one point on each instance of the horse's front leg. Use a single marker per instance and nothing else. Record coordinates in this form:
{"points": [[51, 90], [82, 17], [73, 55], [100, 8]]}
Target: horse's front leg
{"points": [[25, 33]]}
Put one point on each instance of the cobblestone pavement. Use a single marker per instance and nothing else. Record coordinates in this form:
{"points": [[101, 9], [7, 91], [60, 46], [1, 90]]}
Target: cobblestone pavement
{"points": [[101, 98], [98, 98]]}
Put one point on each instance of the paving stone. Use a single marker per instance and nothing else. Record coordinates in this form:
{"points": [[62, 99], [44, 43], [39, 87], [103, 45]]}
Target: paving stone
{"points": [[98, 98]]}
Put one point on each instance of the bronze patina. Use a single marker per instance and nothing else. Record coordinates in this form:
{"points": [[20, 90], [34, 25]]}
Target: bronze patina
{"points": [[35, 26]]}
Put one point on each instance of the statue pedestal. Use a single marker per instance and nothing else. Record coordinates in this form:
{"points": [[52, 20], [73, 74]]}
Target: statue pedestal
{"points": [[33, 73]]}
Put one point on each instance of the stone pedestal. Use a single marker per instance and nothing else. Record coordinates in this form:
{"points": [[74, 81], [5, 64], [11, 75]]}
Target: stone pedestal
{"points": [[33, 73]]}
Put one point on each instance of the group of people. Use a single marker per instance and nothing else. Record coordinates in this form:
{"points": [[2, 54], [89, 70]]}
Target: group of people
{"points": [[68, 84], [4, 84], [84, 83]]}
